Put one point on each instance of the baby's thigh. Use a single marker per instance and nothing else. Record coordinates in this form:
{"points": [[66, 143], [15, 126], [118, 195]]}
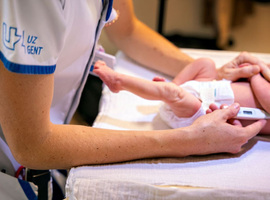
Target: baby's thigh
{"points": [[243, 95]]}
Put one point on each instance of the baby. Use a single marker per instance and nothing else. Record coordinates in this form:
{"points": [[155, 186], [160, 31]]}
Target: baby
{"points": [[191, 92]]}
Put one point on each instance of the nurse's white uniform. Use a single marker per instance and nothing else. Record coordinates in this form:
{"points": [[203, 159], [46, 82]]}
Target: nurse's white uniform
{"points": [[52, 36]]}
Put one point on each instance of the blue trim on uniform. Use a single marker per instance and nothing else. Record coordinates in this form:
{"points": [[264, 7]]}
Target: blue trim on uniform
{"points": [[26, 69], [109, 9], [28, 191]]}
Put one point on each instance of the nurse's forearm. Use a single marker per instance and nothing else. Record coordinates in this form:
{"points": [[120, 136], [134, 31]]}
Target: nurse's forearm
{"points": [[71, 145], [152, 50], [38, 144], [143, 44]]}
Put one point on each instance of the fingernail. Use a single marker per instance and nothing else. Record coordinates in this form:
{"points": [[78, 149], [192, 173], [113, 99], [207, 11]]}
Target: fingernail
{"points": [[255, 69], [244, 65]]}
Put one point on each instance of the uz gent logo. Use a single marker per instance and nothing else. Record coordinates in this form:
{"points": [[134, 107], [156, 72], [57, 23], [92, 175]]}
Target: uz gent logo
{"points": [[11, 38]]}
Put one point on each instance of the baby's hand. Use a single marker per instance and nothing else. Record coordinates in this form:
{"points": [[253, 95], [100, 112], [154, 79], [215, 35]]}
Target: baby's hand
{"points": [[158, 79]]}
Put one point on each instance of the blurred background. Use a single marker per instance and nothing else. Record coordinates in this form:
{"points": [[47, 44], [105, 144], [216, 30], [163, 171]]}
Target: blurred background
{"points": [[234, 25]]}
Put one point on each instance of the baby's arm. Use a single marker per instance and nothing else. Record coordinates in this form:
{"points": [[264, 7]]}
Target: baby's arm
{"points": [[202, 69]]}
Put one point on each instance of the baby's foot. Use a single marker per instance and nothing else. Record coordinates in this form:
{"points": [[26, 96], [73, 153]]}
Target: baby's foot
{"points": [[108, 76]]}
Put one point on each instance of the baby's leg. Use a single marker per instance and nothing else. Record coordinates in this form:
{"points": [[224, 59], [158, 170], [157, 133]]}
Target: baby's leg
{"points": [[261, 89], [151, 90], [202, 69], [244, 95], [181, 102]]}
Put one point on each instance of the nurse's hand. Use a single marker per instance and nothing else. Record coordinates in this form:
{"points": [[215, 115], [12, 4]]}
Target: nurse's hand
{"points": [[213, 134], [243, 66]]}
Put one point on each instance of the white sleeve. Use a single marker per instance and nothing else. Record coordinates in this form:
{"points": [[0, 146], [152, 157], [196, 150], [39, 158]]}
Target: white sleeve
{"points": [[32, 35]]}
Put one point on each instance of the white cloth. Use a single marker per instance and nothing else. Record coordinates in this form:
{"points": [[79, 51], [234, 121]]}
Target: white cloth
{"points": [[243, 176], [167, 115], [220, 176], [218, 92]]}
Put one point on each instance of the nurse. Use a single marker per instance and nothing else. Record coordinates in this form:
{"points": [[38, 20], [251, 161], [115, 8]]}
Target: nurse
{"points": [[45, 51]]}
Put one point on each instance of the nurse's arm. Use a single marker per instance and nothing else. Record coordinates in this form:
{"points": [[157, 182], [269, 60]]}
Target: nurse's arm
{"points": [[143, 44], [37, 143]]}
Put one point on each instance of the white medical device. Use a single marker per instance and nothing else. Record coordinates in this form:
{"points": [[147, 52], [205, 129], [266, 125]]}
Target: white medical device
{"points": [[252, 114]]}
